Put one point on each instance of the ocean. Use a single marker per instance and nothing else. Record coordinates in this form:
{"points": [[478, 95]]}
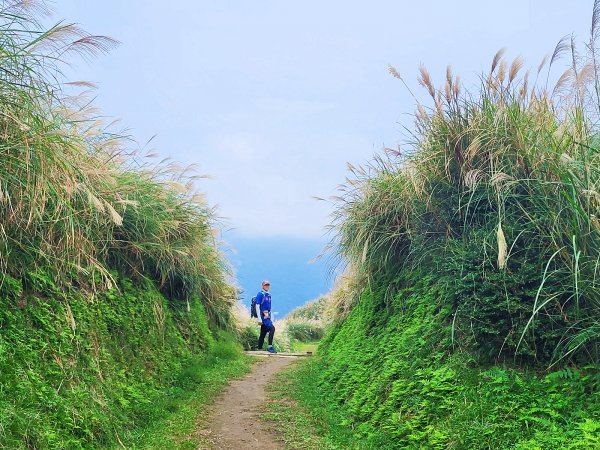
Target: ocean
{"points": [[286, 263]]}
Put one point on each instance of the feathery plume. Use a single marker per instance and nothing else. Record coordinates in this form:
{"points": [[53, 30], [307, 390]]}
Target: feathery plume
{"points": [[502, 71], [471, 178], [497, 57], [394, 72], [543, 62], [449, 75], [421, 114], [502, 247], [595, 21], [565, 78], [425, 81], [525, 86], [447, 92], [585, 76], [574, 55], [473, 148], [516, 65], [115, 216], [456, 86], [86, 84], [438, 103], [564, 44]]}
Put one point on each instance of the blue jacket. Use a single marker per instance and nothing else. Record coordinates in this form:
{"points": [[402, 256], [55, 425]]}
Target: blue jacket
{"points": [[263, 300]]}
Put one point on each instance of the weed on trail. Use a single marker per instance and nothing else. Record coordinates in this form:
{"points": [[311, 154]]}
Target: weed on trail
{"points": [[304, 414]]}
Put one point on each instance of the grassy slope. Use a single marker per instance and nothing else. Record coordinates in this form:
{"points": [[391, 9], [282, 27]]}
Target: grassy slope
{"points": [[478, 251], [85, 352], [391, 379], [82, 371]]}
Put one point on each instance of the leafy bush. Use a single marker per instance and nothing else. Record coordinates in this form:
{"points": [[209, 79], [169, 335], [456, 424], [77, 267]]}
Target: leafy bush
{"points": [[305, 331], [313, 310], [306, 323], [248, 337]]}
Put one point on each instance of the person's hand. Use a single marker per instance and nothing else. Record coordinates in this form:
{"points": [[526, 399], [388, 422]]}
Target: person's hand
{"points": [[259, 323]]}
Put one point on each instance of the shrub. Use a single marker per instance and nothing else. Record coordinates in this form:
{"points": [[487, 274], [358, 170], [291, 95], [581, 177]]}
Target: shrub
{"points": [[305, 331]]}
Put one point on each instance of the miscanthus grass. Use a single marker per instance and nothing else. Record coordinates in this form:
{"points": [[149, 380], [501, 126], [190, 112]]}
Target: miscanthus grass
{"points": [[77, 198], [513, 168]]}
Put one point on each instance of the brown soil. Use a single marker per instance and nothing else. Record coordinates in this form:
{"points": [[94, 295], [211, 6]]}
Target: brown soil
{"points": [[235, 420]]}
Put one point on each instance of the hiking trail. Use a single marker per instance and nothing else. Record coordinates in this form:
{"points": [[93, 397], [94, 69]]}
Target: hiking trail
{"points": [[234, 421]]}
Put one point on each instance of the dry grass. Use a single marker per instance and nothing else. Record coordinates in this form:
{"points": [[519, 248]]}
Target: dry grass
{"points": [[78, 198], [514, 156]]}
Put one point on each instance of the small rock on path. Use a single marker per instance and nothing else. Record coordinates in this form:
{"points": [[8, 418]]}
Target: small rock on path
{"points": [[235, 421]]}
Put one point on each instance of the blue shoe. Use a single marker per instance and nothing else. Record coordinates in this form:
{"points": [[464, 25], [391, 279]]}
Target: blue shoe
{"points": [[271, 349]]}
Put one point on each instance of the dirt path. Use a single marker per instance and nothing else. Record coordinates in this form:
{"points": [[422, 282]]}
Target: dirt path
{"points": [[234, 422]]}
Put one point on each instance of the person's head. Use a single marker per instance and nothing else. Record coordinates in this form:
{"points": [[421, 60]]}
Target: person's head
{"points": [[266, 285]]}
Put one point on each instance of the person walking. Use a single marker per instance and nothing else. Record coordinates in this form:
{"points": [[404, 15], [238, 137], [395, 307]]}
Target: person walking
{"points": [[263, 303]]}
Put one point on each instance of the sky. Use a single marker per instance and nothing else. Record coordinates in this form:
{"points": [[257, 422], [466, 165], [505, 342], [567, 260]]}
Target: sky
{"points": [[272, 98], [284, 261]]}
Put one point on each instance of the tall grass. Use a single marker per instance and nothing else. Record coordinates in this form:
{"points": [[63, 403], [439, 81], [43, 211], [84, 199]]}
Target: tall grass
{"points": [[307, 323], [75, 197], [512, 169]]}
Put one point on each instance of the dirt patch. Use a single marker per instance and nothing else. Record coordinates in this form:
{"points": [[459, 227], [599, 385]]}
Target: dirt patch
{"points": [[235, 419]]}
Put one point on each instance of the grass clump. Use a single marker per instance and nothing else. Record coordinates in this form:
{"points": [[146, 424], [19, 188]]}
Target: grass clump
{"points": [[313, 310], [76, 199], [305, 331], [307, 323], [501, 188], [469, 316]]}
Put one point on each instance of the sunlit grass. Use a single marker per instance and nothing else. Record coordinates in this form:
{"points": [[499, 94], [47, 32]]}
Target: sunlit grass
{"points": [[302, 415]]}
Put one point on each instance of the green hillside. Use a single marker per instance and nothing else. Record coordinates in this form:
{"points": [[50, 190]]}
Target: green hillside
{"points": [[474, 321], [111, 285]]}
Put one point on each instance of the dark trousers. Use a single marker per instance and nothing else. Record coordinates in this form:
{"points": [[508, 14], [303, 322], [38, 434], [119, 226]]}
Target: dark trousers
{"points": [[264, 329]]}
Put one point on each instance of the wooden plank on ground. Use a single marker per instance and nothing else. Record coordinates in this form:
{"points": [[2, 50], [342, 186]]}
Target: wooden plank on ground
{"points": [[279, 354]]}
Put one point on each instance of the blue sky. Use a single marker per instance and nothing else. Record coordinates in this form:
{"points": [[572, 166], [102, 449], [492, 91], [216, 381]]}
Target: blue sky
{"points": [[272, 98]]}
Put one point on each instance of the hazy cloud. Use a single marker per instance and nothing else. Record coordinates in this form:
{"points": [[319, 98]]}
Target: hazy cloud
{"points": [[272, 98]]}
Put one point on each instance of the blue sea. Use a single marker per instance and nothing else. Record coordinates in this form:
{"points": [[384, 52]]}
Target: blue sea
{"points": [[286, 263]]}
